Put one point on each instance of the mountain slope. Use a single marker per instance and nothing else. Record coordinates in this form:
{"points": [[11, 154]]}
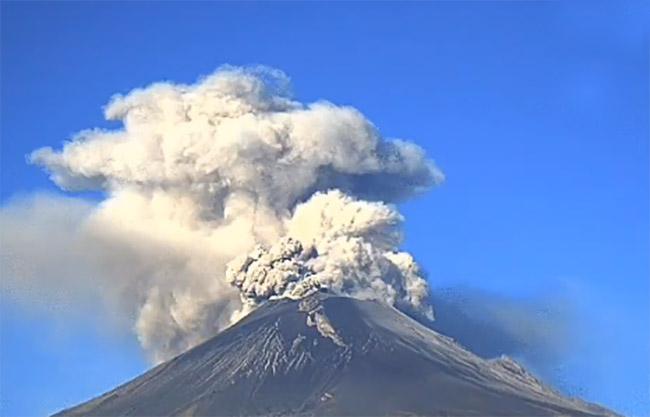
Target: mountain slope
{"points": [[328, 355]]}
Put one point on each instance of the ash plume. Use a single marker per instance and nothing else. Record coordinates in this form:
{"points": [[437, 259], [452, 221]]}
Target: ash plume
{"points": [[338, 243], [220, 195]]}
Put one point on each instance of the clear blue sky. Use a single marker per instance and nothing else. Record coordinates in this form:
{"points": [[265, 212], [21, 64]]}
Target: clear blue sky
{"points": [[537, 111]]}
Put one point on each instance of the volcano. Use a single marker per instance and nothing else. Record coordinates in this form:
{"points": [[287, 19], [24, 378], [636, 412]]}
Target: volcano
{"points": [[327, 355]]}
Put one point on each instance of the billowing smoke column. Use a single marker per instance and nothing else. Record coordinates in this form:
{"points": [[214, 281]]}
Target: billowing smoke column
{"points": [[227, 192], [335, 242]]}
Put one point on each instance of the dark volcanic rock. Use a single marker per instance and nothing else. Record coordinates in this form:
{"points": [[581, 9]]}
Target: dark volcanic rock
{"points": [[327, 355]]}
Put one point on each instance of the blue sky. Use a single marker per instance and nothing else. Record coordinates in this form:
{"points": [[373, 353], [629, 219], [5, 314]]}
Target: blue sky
{"points": [[536, 111]]}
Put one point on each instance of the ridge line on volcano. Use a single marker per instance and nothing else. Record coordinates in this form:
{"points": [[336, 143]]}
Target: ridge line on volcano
{"points": [[376, 360]]}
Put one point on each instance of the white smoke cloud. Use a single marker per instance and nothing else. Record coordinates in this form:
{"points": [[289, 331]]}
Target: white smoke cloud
{"points": [[338, 243], [31, 264], [201, 175]]}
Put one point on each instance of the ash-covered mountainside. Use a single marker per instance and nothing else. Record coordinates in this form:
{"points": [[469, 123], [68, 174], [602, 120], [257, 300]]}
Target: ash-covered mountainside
{"points": [[330, 355]]}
